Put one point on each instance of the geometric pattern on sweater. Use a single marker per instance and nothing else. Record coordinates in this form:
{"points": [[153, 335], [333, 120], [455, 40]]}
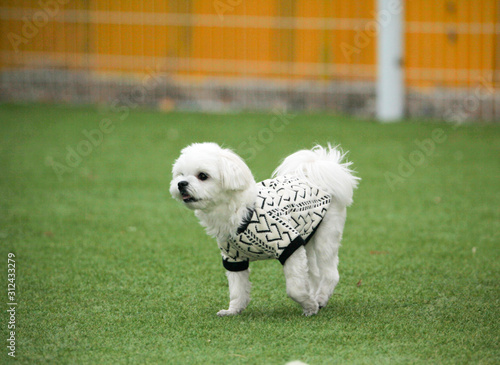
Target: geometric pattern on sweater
{"points": [[286, 213]]}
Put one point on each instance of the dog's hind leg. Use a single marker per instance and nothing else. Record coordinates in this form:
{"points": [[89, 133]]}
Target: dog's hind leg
{"points": [[329, 280], [314, 275], [326, 244], [297, 281]]}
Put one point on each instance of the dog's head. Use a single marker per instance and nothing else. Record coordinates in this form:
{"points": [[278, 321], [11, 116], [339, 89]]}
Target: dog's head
{"points": [[205, 175]]}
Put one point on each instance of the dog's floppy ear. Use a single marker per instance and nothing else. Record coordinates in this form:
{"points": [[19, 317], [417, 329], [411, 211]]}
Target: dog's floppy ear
{"points": [[235, 174]]}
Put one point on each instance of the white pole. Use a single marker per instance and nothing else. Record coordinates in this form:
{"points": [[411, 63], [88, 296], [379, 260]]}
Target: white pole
{"points": [[390, 80]]}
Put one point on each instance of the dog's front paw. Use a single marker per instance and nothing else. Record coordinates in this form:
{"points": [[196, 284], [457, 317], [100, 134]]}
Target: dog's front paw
{"points": [[227, 312]]}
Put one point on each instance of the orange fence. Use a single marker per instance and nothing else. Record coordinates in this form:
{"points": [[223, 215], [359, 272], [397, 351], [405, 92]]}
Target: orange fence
{"points": [[448, 43]]}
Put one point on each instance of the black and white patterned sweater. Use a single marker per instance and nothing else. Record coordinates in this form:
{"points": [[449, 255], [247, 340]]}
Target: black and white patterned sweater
{"points": [[286, 214]]}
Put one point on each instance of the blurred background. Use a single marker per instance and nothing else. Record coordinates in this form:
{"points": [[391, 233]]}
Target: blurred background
{"points": [[233, 55]]}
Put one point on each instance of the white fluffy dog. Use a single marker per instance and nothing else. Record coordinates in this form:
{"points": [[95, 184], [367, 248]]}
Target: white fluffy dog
{"points": [[297, 217]]}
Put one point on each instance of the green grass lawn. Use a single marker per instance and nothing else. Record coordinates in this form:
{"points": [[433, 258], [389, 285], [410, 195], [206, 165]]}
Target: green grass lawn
{"points": [[110, 269]]}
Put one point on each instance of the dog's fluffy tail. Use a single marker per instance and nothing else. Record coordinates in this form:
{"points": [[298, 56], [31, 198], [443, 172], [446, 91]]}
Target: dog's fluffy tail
{"points": [[324, 168]]}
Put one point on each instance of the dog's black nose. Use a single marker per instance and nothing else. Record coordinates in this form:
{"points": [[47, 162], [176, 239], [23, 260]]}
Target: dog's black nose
{"points": [[182, 185]]}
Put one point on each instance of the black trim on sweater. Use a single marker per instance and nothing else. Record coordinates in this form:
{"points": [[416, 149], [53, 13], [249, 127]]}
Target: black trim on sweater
{"points": [[290, 249], [295, 244], [235, 266]]}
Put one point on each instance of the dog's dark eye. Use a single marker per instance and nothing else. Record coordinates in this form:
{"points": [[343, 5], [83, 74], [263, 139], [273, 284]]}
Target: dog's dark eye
{"points": [[202, 176]]}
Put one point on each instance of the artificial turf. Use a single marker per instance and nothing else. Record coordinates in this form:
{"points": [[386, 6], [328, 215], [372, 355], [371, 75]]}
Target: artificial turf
{"points": [[110, 269]]}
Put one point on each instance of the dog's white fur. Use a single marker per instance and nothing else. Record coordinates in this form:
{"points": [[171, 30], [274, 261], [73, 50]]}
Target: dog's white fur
{"points": [[221, 203]]}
